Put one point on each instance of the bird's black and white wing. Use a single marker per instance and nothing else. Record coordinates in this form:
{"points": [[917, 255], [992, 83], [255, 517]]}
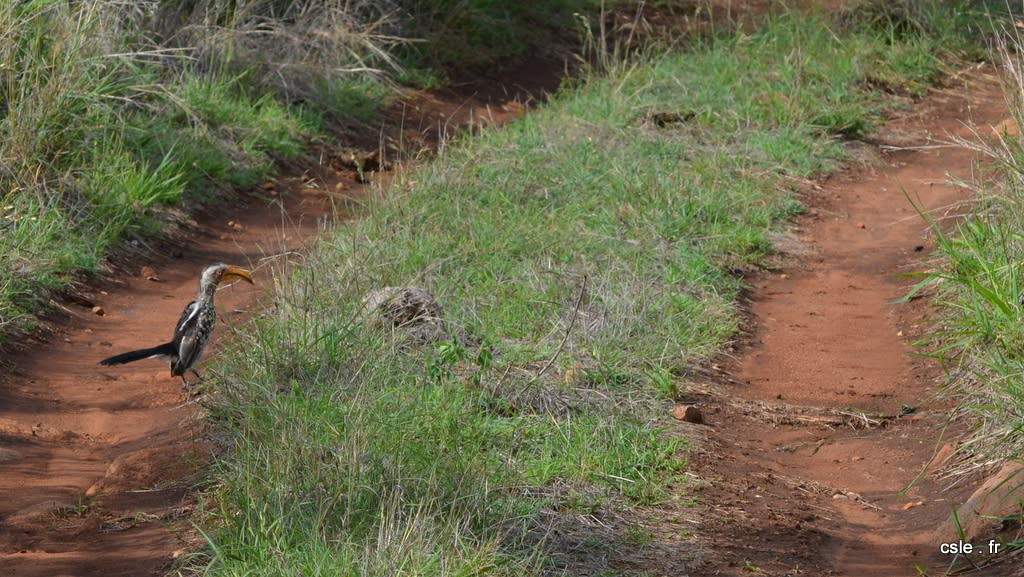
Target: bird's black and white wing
{"points": [[188, 339], [190, 311]]}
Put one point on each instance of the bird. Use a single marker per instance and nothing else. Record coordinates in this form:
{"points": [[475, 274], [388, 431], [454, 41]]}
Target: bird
{"points": [[194, 328]]}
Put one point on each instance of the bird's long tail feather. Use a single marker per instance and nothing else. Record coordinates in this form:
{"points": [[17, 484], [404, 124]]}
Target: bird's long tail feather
{"points": [[164, 350]]}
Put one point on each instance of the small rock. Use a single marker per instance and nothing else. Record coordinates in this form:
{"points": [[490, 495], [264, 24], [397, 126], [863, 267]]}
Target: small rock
{"points": [[149, 274], [98, 310], [941, 456], [861, 225], [688, 413]]}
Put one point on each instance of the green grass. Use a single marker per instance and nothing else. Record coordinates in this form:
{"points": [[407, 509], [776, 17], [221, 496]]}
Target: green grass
{"points": [[104, 134], [978, 283], [100, 135], [58, 94], [586, 256]]}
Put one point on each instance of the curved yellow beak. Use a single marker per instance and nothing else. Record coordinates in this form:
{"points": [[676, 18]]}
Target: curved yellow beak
{"points": [[237, 272]]}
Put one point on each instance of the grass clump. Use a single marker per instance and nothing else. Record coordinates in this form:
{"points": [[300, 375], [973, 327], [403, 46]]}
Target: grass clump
{"points": [[102, 135], [395, 463], [586, 256], [978, 281], [59, 89], [336, 57]]}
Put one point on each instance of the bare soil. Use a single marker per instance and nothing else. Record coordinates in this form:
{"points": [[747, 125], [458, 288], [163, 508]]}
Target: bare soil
{"points": [[99, 462], [823, 425]]}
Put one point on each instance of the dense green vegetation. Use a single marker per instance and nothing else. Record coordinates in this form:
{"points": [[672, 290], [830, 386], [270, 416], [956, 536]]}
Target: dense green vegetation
{"points": [[104, 131], [100, 135]]}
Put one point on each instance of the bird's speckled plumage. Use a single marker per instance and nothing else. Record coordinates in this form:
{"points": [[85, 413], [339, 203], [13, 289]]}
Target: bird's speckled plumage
{"points": [[194, 328]]}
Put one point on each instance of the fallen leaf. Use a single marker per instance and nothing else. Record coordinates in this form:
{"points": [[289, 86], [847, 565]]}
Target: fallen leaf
{"points": [[571, 374]]}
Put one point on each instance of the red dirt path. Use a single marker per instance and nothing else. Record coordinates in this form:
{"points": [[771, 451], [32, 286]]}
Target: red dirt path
{"points": [[826, 500], [96, 459]]}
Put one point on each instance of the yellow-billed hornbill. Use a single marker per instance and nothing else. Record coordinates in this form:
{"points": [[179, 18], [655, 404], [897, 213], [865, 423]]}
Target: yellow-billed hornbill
{"points": [[194, 328]]}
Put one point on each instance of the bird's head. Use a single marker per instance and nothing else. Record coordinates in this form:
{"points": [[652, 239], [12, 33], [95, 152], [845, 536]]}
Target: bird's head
{"points": [[216, 273]]}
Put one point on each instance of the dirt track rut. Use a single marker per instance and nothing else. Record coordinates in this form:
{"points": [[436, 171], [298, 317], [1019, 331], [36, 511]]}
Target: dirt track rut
{"points": [[96, 459], [827, 335]]}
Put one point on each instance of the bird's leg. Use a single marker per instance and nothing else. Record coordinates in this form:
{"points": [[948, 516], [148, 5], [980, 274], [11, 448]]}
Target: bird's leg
{"points": [[184, 381], [191, 392]]}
